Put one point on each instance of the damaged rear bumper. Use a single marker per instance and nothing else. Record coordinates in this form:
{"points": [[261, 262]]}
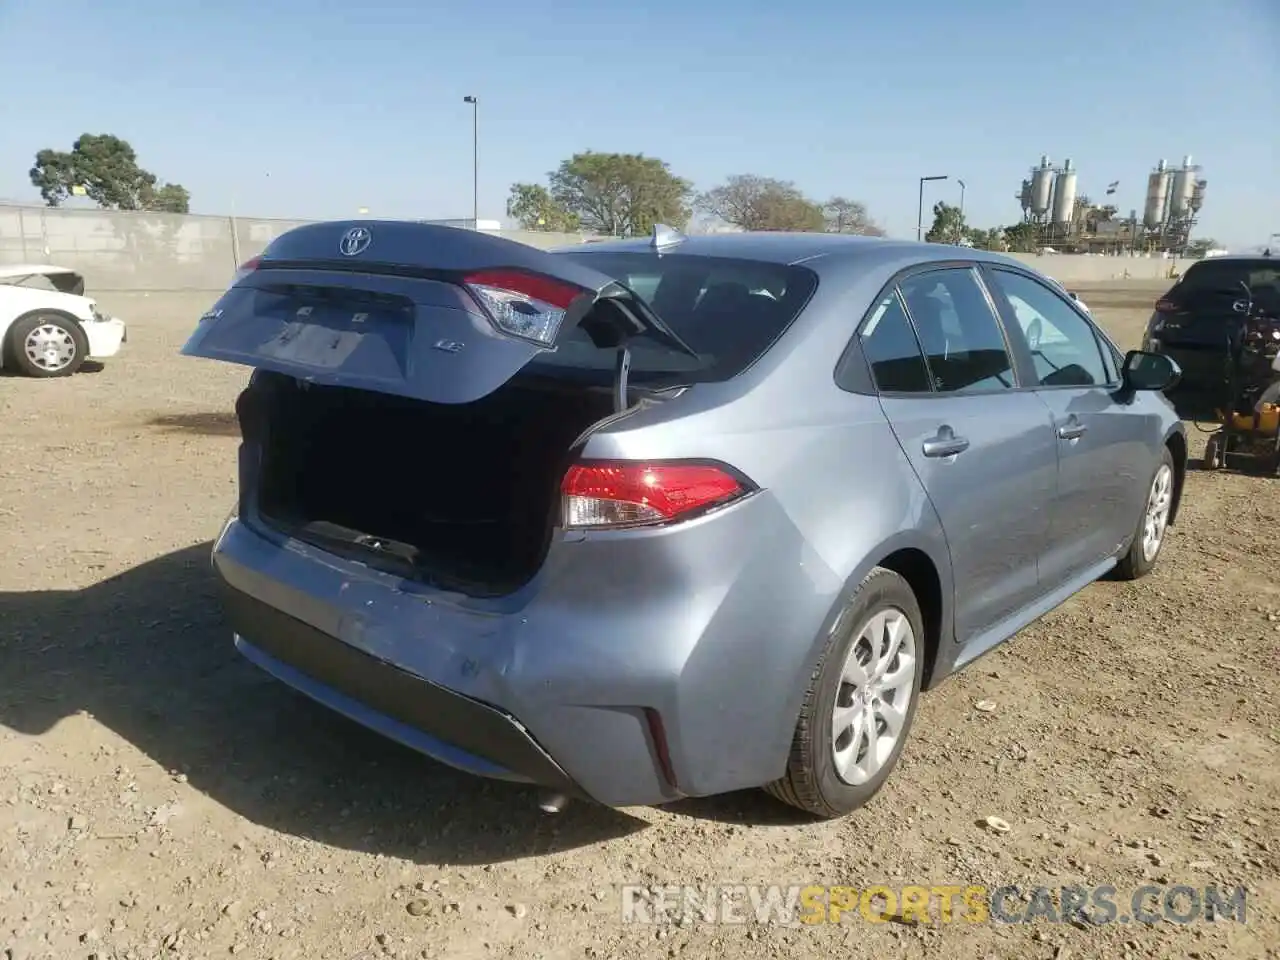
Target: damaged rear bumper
{"points": [[623, 686], [424, 716]]}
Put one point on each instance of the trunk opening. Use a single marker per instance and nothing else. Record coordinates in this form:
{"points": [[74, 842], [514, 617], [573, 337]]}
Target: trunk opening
{"points": [[465, 496]]}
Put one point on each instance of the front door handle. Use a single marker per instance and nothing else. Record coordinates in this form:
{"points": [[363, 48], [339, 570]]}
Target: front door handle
{"points": [[1073, 429], [945, 444]]}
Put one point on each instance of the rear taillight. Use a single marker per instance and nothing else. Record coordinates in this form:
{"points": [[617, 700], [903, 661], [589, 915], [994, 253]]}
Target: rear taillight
{"points": [[523, 305], [606, 494], [247, 268], [1165, 305]]}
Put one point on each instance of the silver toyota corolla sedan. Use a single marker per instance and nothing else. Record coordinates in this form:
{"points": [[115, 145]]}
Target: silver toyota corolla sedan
{"points": [[670, 516]]}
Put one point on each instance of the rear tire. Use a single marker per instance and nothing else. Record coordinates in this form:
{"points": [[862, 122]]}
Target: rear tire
{"points": [[47, 345], [866, 681], [1141, 559]]}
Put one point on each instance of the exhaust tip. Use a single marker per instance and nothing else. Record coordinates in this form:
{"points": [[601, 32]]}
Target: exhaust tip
{"points": [[549, 802]]}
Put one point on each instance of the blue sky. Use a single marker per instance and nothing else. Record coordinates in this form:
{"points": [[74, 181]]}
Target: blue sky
{"points": [[315, 109]]}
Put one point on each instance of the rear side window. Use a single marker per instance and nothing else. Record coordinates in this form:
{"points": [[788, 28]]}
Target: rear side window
{"points": [[891, 347], [729, 311], [962, 338]]}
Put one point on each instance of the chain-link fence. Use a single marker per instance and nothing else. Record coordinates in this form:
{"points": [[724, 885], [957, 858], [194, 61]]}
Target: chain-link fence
{"points": [[118, 250]]}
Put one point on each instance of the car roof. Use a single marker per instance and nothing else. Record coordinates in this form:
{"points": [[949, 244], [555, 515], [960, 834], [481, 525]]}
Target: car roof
{"points": [[794, 248], [1238, 258]]}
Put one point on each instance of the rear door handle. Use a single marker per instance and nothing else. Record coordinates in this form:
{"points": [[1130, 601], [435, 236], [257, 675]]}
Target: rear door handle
{"points": [[945, 444], [1073, 429]]}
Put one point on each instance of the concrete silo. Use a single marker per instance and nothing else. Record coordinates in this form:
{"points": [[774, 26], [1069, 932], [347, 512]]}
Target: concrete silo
{"points": [[1064, 194]]}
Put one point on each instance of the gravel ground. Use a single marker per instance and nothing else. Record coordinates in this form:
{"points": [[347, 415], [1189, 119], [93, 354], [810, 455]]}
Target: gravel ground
{"points": [[161, 798]]}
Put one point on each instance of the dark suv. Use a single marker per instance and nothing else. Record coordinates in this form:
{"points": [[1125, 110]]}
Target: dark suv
{"points": [[1194, 321]]}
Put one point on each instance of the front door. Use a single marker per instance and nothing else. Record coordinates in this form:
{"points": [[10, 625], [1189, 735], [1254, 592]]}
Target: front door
{"points": [[984, 451], [1101, 458]]}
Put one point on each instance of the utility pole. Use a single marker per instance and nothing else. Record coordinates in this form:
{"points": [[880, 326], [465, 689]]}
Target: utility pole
{"points": [[920, 207], [475, 160]]}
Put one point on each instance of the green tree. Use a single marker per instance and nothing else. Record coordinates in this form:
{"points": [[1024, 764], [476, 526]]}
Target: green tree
{"points": [[621, 194], [532, 205], [762, 203], [1020, 237], [107, 168], [1198, 248], [169, 198], [991, 238], [948, 224], [849, 216]]}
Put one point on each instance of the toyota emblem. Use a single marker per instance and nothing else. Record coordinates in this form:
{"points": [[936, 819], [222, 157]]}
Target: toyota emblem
{"points": [[355, 241]]}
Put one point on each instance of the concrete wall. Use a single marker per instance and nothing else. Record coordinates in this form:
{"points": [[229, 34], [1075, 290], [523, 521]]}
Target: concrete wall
{"points": [[173, 252], [1069, 269], [155, 251]]}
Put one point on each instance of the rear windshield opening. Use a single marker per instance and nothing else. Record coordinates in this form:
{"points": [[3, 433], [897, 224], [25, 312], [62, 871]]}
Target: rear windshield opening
{"points": [[1224, 278], [54, 282], [728, 311]]}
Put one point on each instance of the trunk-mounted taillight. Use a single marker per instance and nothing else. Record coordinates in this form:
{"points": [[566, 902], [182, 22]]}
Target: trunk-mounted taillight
{"points": [[603, 494], [524, 305], [247, 268], [1165, 305]]}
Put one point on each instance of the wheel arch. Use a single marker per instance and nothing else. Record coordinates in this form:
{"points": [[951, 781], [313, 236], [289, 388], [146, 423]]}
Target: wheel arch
{"points": [[921, 573], [6, 339], [920, 558], [1176, 443]]}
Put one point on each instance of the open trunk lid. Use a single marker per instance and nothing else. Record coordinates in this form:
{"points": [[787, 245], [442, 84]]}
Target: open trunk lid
{"points": [[433, 313]]}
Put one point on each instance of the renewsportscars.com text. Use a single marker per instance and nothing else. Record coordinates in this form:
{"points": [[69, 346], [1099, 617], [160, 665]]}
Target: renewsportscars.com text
{"points": [[814, 904]]}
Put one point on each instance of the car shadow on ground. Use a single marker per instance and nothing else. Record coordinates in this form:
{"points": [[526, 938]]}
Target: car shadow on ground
{"points": [[147, 654], [222, 424], [753, 808], [88, 366]]}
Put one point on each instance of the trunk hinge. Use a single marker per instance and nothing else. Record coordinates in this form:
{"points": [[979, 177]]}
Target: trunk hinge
{"points": [[621, 370]]}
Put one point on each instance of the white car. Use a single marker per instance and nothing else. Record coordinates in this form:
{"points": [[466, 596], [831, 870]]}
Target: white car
{"points": [[48, 327], [1072, 294], [1079, 303]]}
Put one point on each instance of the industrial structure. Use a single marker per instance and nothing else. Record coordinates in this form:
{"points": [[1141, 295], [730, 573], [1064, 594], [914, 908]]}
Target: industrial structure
{"points": [[1065, 220]]}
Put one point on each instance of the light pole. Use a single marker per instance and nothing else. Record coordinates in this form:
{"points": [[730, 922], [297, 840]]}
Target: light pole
{"points": [[920, 206], [960, 223], [475, 160]]}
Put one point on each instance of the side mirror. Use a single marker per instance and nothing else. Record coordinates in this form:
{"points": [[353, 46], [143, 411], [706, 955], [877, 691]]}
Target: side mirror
{"points": [[1149, 371]]}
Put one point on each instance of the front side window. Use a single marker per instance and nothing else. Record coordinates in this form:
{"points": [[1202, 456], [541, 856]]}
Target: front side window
{"points": [[1063, 346], [961, 336]]}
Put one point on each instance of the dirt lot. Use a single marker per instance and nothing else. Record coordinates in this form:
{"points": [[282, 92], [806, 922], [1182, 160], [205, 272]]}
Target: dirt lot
{"points": [[159, 797]]}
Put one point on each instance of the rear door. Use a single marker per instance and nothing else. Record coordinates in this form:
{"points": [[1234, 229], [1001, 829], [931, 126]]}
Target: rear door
{"points": [[434, 313], [1104, 455], [983, 449]]}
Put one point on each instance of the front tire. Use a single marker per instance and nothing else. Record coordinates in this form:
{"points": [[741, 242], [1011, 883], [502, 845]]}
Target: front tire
{"points": [[1153, 524], [47, 345], [861, 701]]}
